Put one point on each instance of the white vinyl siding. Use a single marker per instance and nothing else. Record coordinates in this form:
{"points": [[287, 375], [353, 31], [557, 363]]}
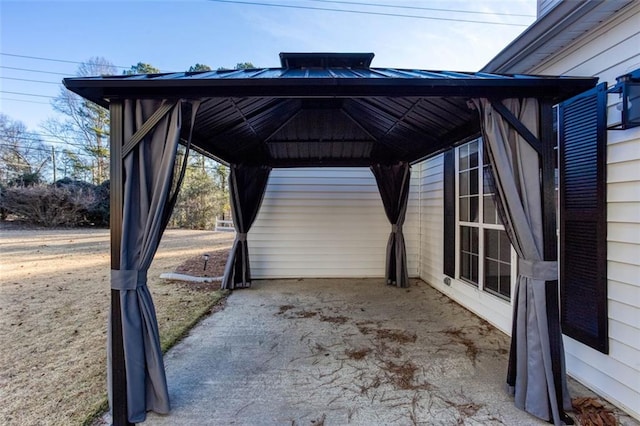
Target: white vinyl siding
{"points": [[326, 222], [606, 52], [492, 308], [612, 50], [431, 221]]}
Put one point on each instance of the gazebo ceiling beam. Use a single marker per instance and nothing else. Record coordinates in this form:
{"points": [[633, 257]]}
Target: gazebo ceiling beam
{"points": [[396, 121], [357, 123], [284, 124], [401, 119], [380, 140], [244, 117]]}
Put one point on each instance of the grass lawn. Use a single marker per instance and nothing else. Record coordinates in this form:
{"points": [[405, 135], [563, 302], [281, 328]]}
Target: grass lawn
{"points": [[54, 301]]}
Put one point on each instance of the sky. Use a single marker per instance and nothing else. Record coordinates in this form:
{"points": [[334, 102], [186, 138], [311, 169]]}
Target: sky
{"points": [[44, 41]]}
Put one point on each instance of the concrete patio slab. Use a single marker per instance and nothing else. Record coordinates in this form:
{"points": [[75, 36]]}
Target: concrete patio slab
{"points": [[340, 351]]}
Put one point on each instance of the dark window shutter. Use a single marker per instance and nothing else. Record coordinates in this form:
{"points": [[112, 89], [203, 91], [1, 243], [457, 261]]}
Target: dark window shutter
{"points": [[583, 226], [449, 214]]}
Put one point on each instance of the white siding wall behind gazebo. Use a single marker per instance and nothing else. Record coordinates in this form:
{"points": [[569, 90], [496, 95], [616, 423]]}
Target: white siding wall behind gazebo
{"points": [[612, 50], [495, 310], [326, 222]]}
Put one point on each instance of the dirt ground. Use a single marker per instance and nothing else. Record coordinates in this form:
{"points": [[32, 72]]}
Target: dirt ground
{"points": [[54, 299]]}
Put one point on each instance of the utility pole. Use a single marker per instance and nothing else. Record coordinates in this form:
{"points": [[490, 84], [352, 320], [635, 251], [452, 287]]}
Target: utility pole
{"points": [[53, 160]]}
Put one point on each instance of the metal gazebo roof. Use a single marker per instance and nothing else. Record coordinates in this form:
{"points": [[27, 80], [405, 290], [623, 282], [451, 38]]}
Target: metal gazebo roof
{"points": [[328, 109]]}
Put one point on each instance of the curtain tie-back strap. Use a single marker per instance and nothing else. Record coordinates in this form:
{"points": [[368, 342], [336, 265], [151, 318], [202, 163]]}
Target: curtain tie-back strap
{"points": [[241, 236], [538, 269], [395, 228], [128, 279]]}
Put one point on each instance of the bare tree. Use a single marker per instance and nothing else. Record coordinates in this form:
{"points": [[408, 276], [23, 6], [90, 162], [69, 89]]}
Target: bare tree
{"points": [[22, 155], [85, 125]]}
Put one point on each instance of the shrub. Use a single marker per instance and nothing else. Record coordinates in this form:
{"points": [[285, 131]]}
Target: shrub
{"points": [[97, 213], [3, 211], [48, 205], [25, 179]]}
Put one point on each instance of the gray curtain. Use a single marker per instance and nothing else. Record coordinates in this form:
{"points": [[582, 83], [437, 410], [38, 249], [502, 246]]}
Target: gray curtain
{"points": [[150, 190], [515, 169], [393, 183], [247, 184]]}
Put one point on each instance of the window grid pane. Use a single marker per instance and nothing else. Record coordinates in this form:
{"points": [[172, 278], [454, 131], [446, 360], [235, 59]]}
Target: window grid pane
{"points": [[476, 200], [473, 154], [490, 213], [473, 209], [497, 263], [469, 250]]}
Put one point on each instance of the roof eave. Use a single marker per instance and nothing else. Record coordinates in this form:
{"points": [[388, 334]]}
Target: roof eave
{"points": [[512, 59], [101, 91]]}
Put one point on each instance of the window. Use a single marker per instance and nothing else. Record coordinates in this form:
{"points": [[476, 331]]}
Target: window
{"points": [[484, 252], [475, 244]]}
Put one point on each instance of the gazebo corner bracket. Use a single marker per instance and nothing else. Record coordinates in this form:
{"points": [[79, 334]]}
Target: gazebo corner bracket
{"points": [[517, 125], [160, 113]]}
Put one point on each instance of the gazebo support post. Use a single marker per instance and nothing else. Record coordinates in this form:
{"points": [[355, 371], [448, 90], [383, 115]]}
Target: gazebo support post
{"points": [[118, 372], [550, 246]]}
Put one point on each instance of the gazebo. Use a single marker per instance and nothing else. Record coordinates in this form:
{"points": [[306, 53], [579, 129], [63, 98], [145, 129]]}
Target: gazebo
{"points": [[328, 109]]}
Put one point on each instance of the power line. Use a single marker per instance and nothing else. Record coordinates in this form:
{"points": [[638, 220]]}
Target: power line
{"points": [[48, 150], [24, 100], [362, 12], [31, 135], [29, 80], [31, 70], [10, 163], [393, 6], [44, 138], [209, 169], [39, 137], [27, 94], [66, 61], [42, 149], [39, 58], [75, 145]]}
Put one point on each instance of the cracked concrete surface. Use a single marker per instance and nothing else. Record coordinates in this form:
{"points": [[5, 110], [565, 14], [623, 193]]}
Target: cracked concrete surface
{"points": [[340, 351]]}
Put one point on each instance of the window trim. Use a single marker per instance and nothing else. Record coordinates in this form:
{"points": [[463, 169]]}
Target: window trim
{"points": [[449, 212]]}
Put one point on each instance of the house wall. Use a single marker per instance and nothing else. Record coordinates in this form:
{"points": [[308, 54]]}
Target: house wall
{"points": [[492, 308], [612, 50], [326, 222]]}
